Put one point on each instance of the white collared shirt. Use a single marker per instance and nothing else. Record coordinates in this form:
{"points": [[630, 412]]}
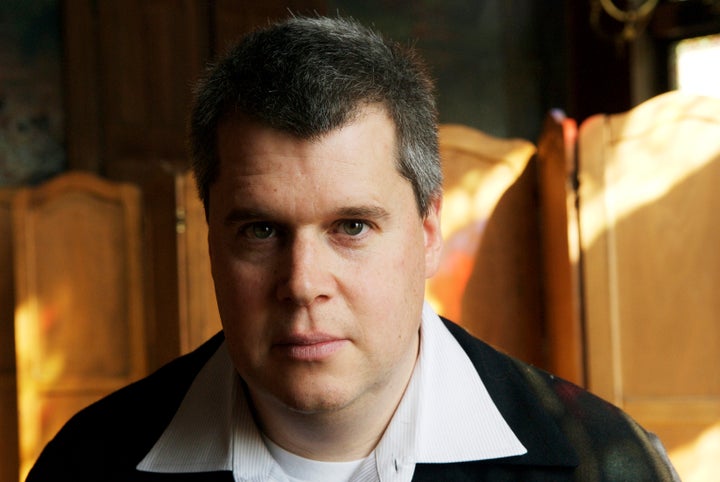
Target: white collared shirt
{"points": [[446, 415]]}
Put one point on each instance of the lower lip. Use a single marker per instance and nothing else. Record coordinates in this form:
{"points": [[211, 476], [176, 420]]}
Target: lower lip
{"points": [[312, 352]]}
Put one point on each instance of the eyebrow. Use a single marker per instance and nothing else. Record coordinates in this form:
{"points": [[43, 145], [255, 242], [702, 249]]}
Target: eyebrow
{"points": [[369, 212], [239, 215], [350, 212]]}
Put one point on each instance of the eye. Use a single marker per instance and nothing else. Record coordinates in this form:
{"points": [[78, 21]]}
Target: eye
{"points": [[259, 231], [353, 227]]}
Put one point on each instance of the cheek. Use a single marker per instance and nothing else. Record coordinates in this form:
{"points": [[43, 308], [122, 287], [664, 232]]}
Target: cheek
{"points": [[233, 277], [388, 287], [242, 295], [242, 311]]}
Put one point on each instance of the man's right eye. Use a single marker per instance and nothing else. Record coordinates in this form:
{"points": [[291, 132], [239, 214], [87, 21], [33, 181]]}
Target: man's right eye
{"points": [[259, 231]]}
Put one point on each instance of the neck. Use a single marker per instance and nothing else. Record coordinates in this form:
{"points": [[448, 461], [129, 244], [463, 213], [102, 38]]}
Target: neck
{"points": [[332, 437], [344, 434]]}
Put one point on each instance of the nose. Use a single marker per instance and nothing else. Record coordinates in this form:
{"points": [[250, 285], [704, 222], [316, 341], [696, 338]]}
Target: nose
{"points": [[306, 276]]}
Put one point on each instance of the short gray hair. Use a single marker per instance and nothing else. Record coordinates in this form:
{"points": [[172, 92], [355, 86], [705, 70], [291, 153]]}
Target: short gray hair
{"points": [[309, 76]]}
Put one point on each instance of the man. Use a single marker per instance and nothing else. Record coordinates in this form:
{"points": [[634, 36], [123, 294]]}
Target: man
{"points": [[315, 147]]}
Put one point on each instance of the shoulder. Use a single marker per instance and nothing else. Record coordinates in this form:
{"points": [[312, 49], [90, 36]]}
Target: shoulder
{"points": [[602, 436], [509, 380], [118, 430]]}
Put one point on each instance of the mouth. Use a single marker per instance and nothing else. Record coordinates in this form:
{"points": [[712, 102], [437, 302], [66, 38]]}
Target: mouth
{"points": [[312, 348]]}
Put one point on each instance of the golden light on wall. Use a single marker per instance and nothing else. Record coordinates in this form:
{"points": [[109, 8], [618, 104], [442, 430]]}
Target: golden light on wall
{"points": [[478, 169]]}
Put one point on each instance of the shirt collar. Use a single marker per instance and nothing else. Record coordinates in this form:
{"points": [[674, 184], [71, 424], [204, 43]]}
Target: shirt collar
{"points": [[446, 414], [457, 420], [213, 428], [199, 437]]}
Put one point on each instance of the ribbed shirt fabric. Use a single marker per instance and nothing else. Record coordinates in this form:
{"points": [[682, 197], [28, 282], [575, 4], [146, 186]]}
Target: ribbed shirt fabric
{"points": [[446, 415]]}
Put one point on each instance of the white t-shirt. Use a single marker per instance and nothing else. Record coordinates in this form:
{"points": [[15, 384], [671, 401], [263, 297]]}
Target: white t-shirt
{"points": [[300, 469]]}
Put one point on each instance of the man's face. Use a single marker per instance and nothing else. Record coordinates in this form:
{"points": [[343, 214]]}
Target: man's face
{"points": [[319, 258]]}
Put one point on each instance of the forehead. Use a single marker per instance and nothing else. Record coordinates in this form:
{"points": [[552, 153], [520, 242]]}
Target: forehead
{"points": [[356, 163], [246, 145]]}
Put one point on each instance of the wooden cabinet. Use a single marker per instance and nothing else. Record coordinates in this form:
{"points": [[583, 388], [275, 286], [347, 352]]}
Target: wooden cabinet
{"points": [[79, 324], [82, 284], [649, 200]]}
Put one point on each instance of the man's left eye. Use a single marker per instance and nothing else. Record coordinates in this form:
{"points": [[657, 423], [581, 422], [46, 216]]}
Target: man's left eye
{"points": [[259, 231], [353, 228]]}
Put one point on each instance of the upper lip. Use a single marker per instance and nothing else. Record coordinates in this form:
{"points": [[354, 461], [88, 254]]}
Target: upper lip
{"points": [[306, 339]]}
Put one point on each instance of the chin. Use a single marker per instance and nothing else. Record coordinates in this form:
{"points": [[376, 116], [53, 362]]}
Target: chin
{"points": [[326, 401]]}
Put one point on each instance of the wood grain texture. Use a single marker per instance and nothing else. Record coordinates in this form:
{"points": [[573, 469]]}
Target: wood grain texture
{"points": [[79, 325], [649, 200]]}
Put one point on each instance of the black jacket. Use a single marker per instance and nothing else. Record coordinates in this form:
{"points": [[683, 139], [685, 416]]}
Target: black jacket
{"points": [[570, 434]]}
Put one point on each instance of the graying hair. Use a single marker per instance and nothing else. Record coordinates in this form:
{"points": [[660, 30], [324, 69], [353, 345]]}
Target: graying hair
{"points": [[309, 76]]}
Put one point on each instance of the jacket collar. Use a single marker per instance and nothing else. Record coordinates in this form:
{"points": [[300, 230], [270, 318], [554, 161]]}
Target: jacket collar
{"points": [[527, 404]]}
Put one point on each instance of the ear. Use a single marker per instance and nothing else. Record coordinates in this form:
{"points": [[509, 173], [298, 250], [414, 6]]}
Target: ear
{"points": [[433, 236]]}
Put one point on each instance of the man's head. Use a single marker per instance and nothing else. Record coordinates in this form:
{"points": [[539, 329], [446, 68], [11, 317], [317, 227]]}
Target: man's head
{"points": [[309, 76], [318, 252]]}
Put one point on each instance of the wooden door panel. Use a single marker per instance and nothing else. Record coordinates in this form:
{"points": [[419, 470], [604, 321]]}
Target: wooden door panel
{"points": [[560, 257], [79, 325], [649, 200]]}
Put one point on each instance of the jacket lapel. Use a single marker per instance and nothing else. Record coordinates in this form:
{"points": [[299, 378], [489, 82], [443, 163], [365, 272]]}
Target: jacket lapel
{"points": [[524, 400]]}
